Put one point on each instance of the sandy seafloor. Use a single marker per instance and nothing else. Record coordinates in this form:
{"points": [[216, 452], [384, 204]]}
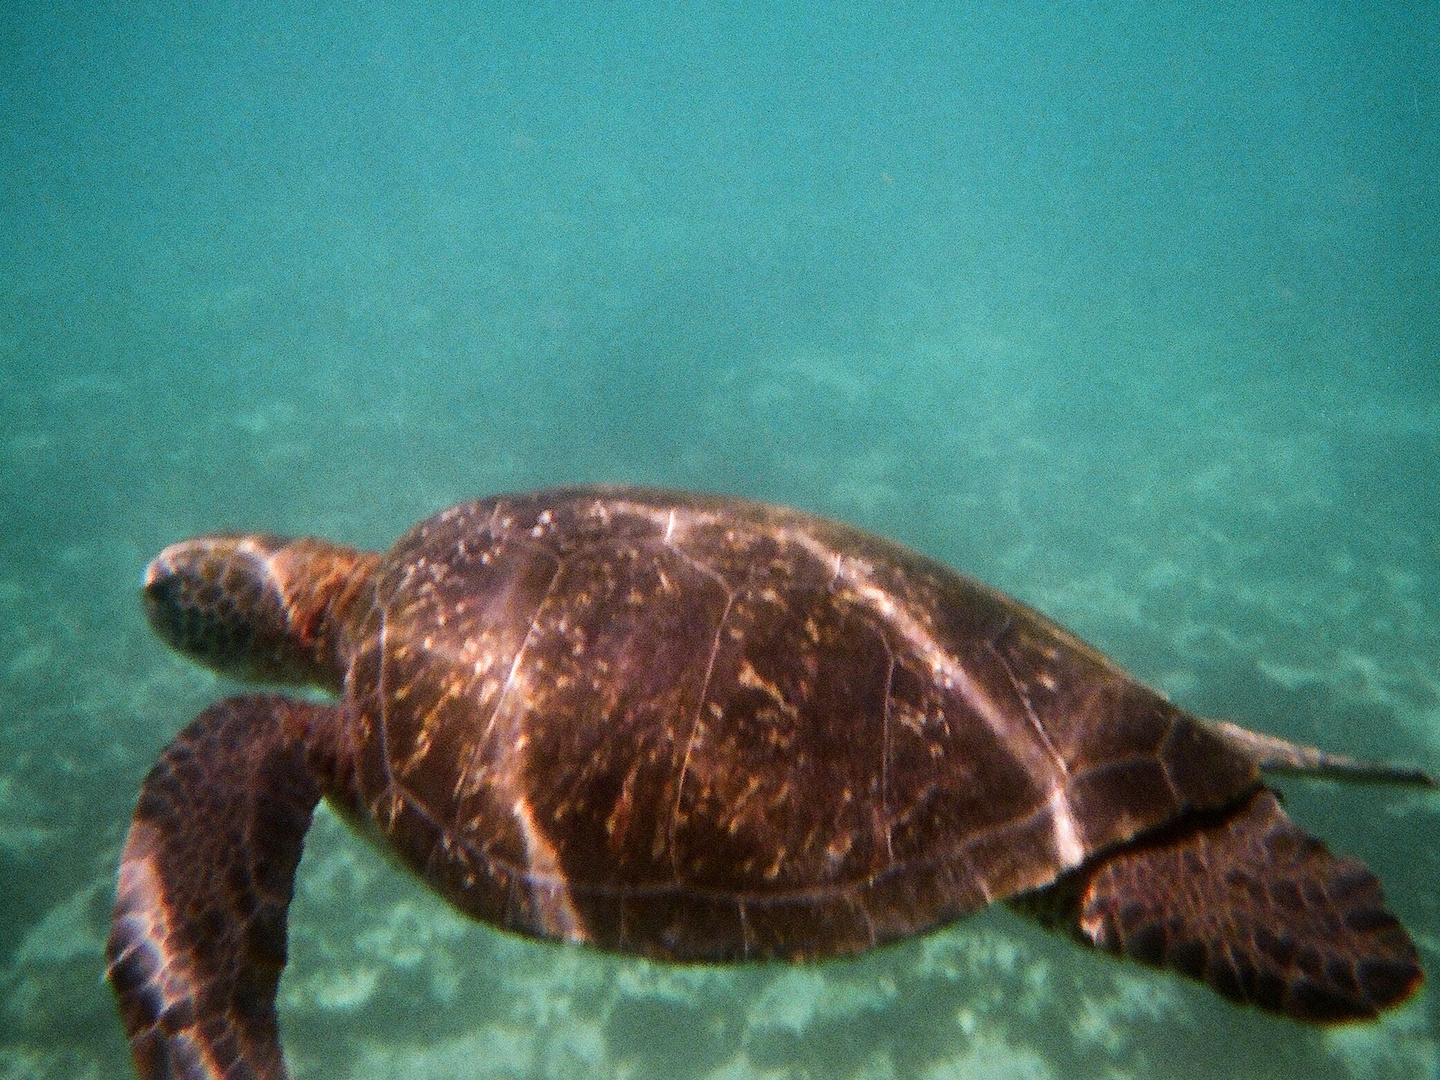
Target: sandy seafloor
{"points": [[1130, 310]]}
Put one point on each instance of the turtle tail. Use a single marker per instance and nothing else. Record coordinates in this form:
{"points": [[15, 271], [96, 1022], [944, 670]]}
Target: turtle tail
{"points": [[198, 938], [1247, 902]]}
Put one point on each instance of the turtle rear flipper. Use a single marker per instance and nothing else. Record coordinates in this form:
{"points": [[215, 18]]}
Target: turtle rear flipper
{"points": [[198, 938], [1249, 903]]}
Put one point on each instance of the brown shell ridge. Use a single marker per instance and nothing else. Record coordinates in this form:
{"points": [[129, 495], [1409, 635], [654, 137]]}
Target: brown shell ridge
{"points": [[390, 789], [926, 847], [485, 745], [451, 838], [1062, 770], [671, 829], [731, 590], [450, 843], [887, 750], [791, 529], [852, 582], [1068, 844]]}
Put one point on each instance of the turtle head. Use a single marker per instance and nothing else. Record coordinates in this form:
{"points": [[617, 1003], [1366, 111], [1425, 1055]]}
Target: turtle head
{"points": [[257, 607]]}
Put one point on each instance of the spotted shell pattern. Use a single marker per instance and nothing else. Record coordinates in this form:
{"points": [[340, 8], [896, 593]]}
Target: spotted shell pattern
{"points": [[704, 729]]}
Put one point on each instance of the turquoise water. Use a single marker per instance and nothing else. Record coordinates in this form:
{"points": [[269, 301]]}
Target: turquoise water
{"points": [[1132, 310]]}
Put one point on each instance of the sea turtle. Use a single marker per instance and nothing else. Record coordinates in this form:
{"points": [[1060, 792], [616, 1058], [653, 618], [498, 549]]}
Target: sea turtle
{"points": [[699, 729]]}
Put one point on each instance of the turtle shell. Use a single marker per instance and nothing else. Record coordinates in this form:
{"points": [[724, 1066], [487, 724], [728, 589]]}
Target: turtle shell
{"points": [[705, 728]]}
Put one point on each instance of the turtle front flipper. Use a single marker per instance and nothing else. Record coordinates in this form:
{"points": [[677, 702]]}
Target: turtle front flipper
{"points": [[1249, 903], [198, 938]]}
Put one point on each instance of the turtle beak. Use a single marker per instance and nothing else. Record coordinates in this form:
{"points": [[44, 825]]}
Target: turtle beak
{"points": [[157, 585]]}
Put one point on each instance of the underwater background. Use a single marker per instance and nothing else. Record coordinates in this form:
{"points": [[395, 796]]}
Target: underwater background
{"points": [[1132, 310]]}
